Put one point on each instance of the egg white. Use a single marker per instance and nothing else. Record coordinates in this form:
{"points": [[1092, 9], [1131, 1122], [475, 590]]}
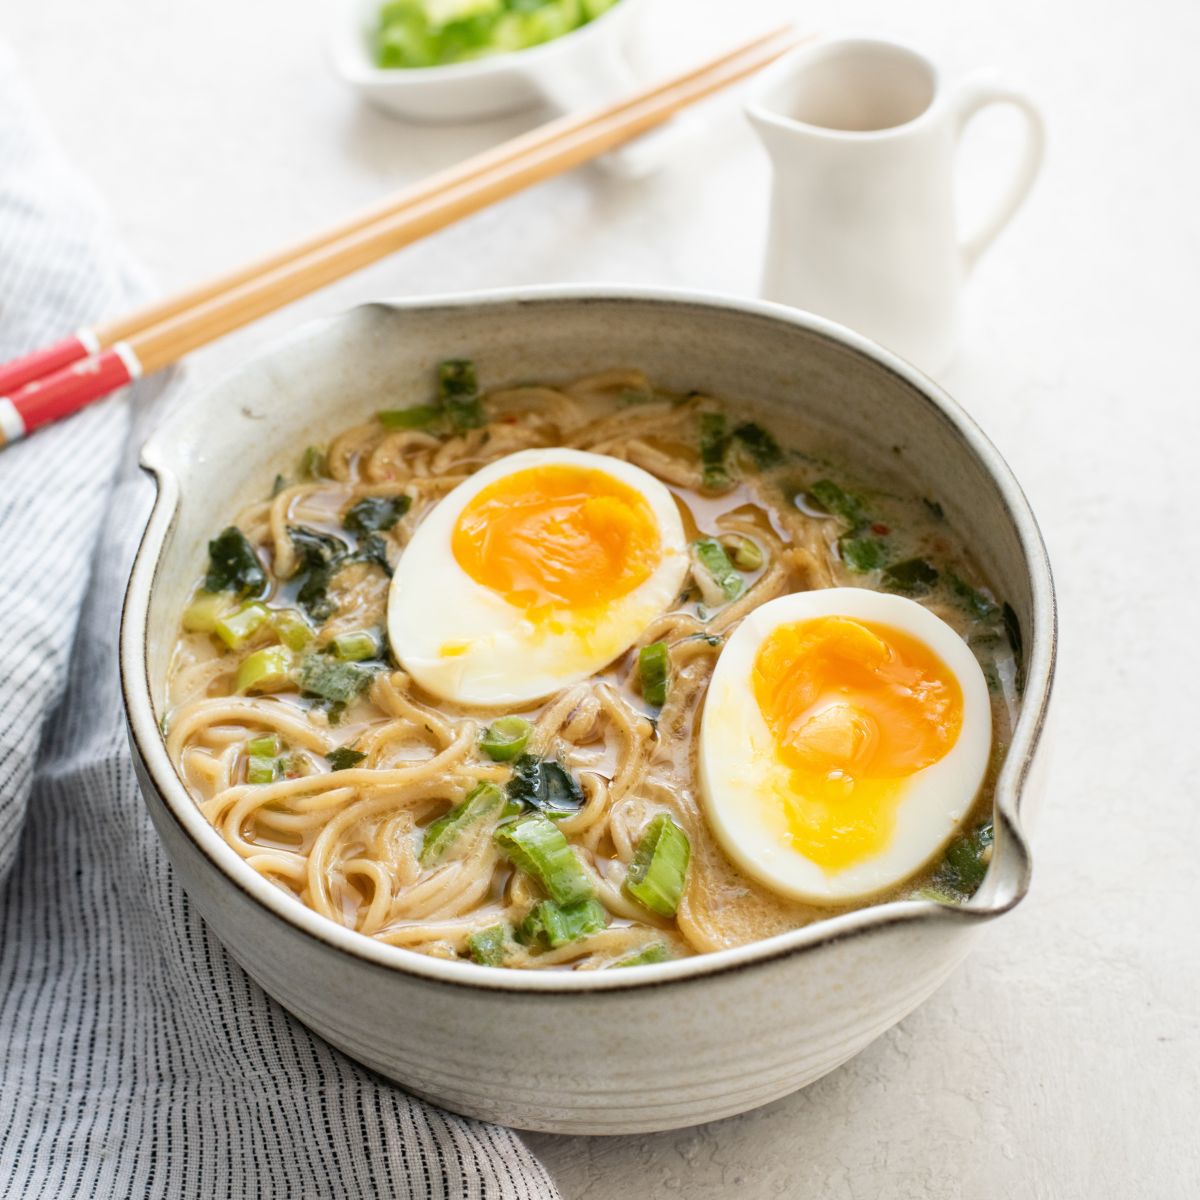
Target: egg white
{"points": [[498, 656], [740, 770]]}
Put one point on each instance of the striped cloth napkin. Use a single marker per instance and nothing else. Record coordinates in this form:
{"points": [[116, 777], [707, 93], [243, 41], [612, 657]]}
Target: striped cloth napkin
{"points": [[136, 1058]]}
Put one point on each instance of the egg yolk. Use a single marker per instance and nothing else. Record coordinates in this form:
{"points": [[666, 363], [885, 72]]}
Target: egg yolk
{"points": [[558, 537], [854, 709]]}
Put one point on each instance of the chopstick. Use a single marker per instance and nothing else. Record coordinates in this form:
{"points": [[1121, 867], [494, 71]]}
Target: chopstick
{"points": [[60, 380]]}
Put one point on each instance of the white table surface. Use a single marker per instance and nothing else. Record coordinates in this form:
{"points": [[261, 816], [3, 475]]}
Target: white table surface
{"points": [[1064, 1059]]}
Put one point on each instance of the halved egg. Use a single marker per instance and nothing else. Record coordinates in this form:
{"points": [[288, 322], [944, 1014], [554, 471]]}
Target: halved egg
{"points": [[533, 574], [845, 736]]}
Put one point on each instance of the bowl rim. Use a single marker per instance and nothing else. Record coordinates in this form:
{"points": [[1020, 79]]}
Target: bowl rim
{"points": [[149, 746]]}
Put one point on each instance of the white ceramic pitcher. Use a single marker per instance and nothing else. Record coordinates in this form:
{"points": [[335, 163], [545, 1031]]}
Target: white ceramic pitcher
{"points": [[862, 135]]}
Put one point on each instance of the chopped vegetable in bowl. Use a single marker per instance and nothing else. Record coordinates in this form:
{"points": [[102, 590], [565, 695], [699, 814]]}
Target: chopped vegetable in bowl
{"points": [[433, 33]]}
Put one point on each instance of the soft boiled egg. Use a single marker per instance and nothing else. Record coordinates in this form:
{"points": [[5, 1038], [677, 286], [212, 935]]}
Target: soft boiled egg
{"points": [[845, 736], [534, 573]]}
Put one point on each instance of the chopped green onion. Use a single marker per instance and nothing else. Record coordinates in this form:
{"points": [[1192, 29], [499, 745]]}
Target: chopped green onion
{"points": [[655, 952], [344, 757], [490, 947], [659, 868], [975, 602], [714, 445], [206, 609], [539, 848], [712, 557], [459, 393], [544, 784], [294, 631], [505, 738], [235, 629], [838, 502], [763, 448], [420, 416], [262, 768], [376, 514], [862, 554], [746, 553], [915, 576], [550, 924], [266, 670], [233, 565], [266, 745], [339, 682], [483, 801], [356, 646], [654, 669], [313, 464]]}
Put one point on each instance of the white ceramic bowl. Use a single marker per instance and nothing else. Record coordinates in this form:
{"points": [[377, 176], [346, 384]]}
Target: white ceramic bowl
{"points": [[604, 1052]]}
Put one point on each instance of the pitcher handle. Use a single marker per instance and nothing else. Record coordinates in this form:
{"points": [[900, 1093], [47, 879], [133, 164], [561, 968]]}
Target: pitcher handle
{"points": [[977, 94]]}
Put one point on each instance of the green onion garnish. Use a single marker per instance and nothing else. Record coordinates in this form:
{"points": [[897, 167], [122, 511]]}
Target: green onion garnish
{"points": [[745, 552], [458, 392], [261, 768], [344, 757], [420, 416], [550, 924], [356, 646], [714, 445], [266, 745], [539, 848], [266, 670], [206, 609], [655, 952], [484, 800], [763, 448], [235, 629], [505, 738], [659, 868], [862, 554], [712, 557], [654, 668], [838, 502], [975, 602], [490, 947], [294, 631]]}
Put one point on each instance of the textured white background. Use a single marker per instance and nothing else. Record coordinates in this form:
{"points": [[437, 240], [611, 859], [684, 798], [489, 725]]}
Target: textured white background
{"points": [[1064, 1060]]}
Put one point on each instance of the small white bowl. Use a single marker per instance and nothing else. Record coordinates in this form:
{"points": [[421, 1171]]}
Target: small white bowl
{"points": [[582, 69]]}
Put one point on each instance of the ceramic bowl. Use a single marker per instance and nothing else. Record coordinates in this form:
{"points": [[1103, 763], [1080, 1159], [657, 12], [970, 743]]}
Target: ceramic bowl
{"points": [[606, 1052]]}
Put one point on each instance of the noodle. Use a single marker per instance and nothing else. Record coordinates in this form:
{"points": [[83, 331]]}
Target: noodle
{"points": [[346, 842]]}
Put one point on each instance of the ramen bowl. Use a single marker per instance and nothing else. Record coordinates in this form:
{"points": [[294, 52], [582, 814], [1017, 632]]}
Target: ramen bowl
{"points": [[661, 1046]]}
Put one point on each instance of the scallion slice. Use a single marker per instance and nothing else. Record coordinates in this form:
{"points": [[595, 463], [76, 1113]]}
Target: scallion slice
{"points": [[356, 646], [235, 629], [492, 946], [206, 609], [458, 390], [484, 800], [712, 557], [745, 552], [504, 739], [549, 924], [659, 868], [266, 670], [294, 631], [654, 670], [420, 416], [714, 445], [267, 745], [655, 952], [539, 848], [262, 768]]}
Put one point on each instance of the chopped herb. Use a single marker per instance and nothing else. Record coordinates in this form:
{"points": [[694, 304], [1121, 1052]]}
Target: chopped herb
{"points": [[313, 464], [654, 669], [655, 952], [549, 924], [329, 679], [915, 576], [233, 565], [745, 552], [659, 868], [491, 947], [975, 602], [376, 514], [504, 739], [862, 553], [837, 502], [483, 801], [545, 785], [458, 392], [714, 445], [712, 557], [344, 757], [763, 448], [966, 861], [420, 416], [538, 847]]}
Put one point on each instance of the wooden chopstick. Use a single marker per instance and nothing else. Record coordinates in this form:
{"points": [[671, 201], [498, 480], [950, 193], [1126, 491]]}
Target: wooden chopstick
{"points": [[163, 334], [88, 341]]}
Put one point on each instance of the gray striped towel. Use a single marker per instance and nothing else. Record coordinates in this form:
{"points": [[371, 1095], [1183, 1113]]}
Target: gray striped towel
{"points": [[136, 1058]]}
